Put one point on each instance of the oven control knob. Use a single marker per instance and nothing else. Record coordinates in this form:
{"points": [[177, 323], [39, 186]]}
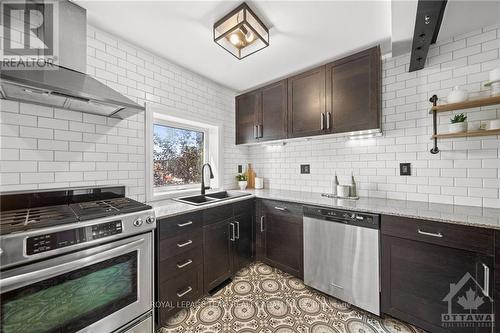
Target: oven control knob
{"points": [[138, 222], [150, 219]]}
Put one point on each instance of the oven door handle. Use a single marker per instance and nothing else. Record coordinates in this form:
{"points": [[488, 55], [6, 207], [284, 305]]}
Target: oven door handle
{"points": [[17, 281]]}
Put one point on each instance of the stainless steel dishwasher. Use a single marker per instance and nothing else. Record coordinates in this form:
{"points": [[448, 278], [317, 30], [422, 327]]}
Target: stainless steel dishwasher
{"points": [[341, 255]]}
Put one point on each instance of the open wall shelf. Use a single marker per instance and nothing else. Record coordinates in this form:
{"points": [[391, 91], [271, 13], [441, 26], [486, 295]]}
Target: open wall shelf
{"points": [[473, 103], [467, 134], [459, 106]]}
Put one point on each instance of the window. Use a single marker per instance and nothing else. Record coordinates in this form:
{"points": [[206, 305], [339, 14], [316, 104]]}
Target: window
{"points": [[178, 155]]}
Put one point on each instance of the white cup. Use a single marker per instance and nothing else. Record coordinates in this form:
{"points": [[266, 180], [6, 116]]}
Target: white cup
{"points": [[259, 183]]}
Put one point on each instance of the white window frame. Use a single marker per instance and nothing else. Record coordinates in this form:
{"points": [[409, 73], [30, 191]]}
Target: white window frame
{"points": [[212, 149], [171, 188]]}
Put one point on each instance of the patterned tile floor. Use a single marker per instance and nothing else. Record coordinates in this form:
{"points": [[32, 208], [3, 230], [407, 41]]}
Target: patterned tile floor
{"points": [[264, 299]]}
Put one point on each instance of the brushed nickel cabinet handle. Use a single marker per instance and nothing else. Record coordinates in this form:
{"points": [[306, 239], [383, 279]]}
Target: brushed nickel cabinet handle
{"points": [[184, 224], [184, 293], [232, 237], [237, 229], [336, 285], [432, 234], [328, 120], [486, 281], [185, 244], [186, 263], [255, 132], [322, 120], [262, 223], [283, 209]]}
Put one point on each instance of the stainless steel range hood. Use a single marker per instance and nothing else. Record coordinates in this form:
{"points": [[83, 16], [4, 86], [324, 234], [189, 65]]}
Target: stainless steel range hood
{"points": [[67, 86]]}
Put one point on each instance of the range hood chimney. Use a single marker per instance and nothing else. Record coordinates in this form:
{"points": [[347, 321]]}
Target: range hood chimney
{"points": [[66, 85]]}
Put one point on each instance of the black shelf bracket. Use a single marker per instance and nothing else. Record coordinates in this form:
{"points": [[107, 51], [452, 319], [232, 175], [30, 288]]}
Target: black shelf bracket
{"points": [[434, 100]]}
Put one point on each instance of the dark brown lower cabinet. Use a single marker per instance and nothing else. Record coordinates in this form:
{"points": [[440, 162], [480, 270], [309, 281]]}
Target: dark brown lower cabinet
{"points": [[243, 250], [279, 238], [497, 280], [217, 244], [426, 277], [179, 265], [227, 247], [197, 251]]}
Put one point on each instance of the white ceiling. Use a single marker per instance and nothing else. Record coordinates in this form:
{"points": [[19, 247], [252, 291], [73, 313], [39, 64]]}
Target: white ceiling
{"points": [[460, 16], [302, 34]]}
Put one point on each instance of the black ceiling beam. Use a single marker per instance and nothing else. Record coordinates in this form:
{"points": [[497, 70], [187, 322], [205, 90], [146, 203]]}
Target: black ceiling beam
{"points": [[427, 24]]}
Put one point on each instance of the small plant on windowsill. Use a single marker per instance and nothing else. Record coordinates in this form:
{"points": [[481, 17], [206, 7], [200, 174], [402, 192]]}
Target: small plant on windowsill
{"points": [[242, 181], [458, 123]]}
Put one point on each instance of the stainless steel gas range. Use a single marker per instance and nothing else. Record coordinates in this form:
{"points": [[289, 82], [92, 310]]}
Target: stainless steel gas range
{"points": [[76, 260]]}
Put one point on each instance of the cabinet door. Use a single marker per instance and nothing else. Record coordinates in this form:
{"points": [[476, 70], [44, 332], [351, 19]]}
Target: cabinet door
{"points": [[243, 247], [417, 278], [306, 103], [247, 108], [218, 260], [283, 244], [353, 92], [272, 115]]}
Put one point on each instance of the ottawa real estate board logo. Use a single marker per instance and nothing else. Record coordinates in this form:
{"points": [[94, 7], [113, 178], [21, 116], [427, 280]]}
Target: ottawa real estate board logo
{"points": [[29, 30], [469, 304]]}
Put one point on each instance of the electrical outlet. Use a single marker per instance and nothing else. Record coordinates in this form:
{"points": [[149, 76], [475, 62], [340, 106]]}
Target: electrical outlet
{"points": [[240, 169], [405, 169], [305, 168]]}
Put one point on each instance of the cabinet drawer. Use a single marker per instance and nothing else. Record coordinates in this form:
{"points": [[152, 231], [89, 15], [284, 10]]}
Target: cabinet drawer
{"points": [[175, 225], [243, 207], [473, 239], [180, 291], [184, 242], [283, 208], [181, 263]]}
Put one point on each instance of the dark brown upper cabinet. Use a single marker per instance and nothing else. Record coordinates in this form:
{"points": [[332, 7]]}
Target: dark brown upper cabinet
{"points": [[342, 96], [247, 107], [261, 114], [353, 92], [306, 103], [272, 115]]}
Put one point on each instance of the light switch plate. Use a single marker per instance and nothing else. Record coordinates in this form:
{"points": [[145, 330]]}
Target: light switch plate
{"points": [[405, 169], [305, 168]]}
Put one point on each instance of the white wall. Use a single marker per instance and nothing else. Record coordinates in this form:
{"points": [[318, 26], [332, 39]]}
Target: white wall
{"points": [[465, 172], [45, 147]]}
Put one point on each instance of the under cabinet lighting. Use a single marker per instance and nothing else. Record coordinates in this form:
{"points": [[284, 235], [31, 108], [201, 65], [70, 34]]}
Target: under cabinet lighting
{"points": [[241, 32]]}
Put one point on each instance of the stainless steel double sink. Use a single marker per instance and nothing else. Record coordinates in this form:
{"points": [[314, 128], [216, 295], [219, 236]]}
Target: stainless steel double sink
{"points": [[199, 200]]}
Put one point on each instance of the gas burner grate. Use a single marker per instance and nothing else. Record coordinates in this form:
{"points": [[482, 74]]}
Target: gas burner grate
{"points": [[31, 218], [107, 207]]}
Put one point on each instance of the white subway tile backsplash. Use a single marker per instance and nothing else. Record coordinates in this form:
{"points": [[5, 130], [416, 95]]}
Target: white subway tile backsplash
{"points": [[466, 171]]}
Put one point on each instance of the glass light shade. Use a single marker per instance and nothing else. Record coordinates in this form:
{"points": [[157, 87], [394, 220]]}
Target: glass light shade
{"points": [[241, 32]]}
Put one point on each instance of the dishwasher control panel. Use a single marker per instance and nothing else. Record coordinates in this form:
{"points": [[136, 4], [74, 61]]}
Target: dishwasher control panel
{"points": [[361, 219]]}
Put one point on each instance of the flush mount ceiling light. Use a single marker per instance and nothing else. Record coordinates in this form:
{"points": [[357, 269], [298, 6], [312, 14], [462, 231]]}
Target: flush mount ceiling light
{"points": [[241, 32]]}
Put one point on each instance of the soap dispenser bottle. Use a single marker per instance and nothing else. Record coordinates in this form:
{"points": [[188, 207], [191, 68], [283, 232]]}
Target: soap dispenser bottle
{"points": [[353, 191], [335, 183]]}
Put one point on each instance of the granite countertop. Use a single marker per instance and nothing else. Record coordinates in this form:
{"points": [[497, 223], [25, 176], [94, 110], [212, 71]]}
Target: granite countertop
{"points": [[466, 215]]}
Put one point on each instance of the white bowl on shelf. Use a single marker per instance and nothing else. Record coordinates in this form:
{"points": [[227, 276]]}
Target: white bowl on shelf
{"points": [[457, 95]]}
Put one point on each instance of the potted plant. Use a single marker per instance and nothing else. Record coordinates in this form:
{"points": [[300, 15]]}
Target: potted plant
{"points": [[242, 181], [458, 123]]}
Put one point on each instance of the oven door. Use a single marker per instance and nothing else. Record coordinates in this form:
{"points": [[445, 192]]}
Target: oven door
{"points": [[99, 289]]}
